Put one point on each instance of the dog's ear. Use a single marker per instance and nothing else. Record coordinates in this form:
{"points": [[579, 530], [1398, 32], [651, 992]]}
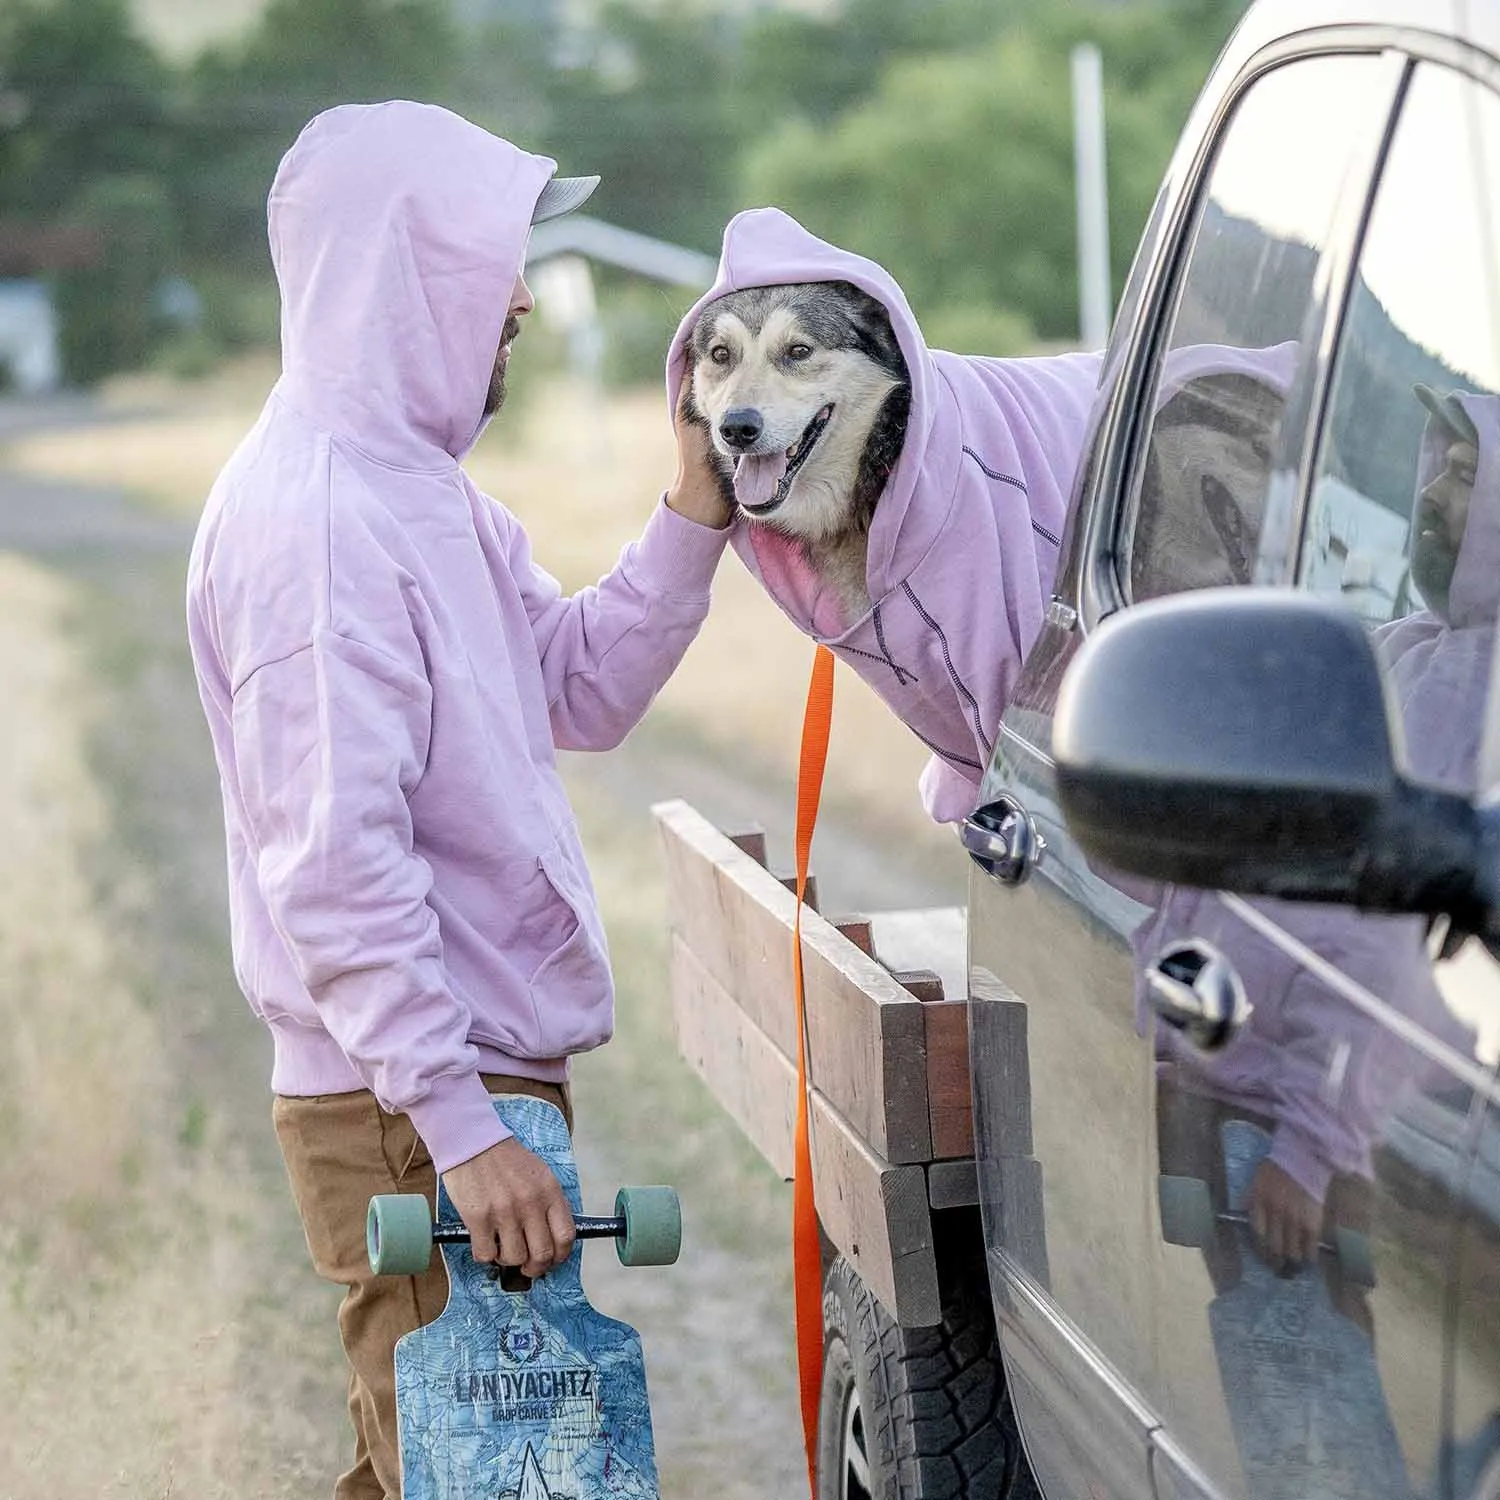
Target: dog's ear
{"points": [[872, 327]]}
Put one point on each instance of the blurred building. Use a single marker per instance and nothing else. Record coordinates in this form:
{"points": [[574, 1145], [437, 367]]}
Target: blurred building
{"points": [[560, 259], [30, 347], [30, 360]]}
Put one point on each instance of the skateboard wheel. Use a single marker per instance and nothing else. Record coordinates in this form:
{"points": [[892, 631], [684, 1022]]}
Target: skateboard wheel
{"points": [[653, 1226], [1355, 1260], [1187, 1211], [398, 1234]]}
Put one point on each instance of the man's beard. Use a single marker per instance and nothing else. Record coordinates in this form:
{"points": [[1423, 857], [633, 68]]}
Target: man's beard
{"points": [[1433, 563], [495, 397]]}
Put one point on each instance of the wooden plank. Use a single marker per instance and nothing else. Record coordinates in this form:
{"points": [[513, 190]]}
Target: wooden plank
{"points": [[948, 1080], [999, 1024], [867, 1038], [934, 938], [925, 984], [920, 944], [877, 1214], [953, 1184], [754, 1081], [859, 931], [752, 842]]}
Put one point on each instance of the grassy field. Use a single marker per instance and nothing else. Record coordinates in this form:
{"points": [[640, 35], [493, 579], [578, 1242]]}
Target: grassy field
{"points": [[136, 1322]]}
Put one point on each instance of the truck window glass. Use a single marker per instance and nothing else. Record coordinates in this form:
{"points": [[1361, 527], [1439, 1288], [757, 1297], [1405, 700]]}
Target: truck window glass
{"points": [[1241, 306]]}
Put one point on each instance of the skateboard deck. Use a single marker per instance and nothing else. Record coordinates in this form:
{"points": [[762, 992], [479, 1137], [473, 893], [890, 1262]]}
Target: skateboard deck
{"points": [[1300, 1380], [523, 1395]]}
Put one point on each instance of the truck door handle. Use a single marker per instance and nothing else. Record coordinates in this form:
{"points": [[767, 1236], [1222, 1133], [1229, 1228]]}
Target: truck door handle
{"points": [[1002, 839], [1197, 991]]}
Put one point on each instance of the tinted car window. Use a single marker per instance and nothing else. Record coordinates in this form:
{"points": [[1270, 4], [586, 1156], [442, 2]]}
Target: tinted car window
{"points": [[1404, 514], [1244, 301]]}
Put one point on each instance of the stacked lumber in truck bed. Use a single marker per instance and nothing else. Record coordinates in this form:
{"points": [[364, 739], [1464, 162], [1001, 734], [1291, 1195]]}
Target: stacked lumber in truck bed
{"points": [[892, 1129]]}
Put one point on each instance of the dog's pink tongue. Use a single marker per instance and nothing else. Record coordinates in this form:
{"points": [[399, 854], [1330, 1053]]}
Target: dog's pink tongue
{"points": [[756, 478]]}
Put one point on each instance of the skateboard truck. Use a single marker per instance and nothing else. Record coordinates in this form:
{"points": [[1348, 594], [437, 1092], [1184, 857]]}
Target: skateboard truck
{"points": [[646, 1226]]}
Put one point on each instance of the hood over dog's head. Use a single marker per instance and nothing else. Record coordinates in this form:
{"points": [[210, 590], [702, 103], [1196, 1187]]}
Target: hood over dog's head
{"points": [[793, 369]]}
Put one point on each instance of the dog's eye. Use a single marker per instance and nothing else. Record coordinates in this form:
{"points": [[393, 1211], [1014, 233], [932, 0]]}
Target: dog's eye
{"points": [[719, 354], [799, 351]]}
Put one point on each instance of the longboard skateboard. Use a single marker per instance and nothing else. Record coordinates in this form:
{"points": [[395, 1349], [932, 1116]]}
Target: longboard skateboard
{"points": [[523, 1395]]}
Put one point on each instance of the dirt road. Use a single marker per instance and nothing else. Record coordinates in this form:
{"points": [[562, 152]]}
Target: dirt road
{"points": [[159, 1331]]}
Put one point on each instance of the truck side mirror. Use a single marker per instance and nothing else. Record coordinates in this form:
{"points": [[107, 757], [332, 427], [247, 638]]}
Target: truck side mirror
{"points": [[1242, 739]]}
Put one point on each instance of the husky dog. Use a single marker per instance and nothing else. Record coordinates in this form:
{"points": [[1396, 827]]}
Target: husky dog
{"points": [[806, 394]]}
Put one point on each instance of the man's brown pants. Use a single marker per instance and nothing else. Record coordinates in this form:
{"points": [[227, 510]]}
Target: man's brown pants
{"points": [[341, 1150]]}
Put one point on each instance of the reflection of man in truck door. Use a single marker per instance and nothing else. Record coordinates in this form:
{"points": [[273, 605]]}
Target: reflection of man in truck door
{"points": [[1283, 1123]]}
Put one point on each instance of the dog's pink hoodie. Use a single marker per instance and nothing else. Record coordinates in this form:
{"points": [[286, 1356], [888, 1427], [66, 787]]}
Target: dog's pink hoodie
{"points": [[965, 540], [386, 671]]}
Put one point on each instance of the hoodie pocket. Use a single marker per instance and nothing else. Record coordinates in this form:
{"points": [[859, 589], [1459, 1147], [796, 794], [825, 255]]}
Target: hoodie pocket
{"points": [[571, 988]]}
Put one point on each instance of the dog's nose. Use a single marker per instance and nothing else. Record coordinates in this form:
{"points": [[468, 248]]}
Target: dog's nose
{"points": [[741, 427]]}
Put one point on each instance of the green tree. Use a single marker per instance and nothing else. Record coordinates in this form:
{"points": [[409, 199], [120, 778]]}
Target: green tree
{"points": [[106, 319], [87, 98], [247, 102], [650, 111], [956, 172]]}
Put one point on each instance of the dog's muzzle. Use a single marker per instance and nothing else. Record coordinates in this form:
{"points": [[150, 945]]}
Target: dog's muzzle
{"points": [[796, 456]]}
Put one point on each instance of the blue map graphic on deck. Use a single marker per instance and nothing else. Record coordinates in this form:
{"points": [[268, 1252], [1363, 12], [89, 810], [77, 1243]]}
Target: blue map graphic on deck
{"points": [[524, 1395]]}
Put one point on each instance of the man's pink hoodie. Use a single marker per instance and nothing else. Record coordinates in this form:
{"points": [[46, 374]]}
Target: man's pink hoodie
{"points": [[965, 541], [386, 671]]}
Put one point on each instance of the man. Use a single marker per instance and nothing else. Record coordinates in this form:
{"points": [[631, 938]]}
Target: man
{"points": [[386, 674]]}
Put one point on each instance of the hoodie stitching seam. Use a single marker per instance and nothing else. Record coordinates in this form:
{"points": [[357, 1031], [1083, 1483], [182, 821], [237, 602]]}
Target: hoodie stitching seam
{"points": [[958, 681], [236, 688], [1019, 484], [348, 640], [885, 661], [949, 755], [902, 677], [328, 519]]}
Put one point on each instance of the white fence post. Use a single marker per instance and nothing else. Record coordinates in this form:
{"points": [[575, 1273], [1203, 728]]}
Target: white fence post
{"points": [[1092, 196]]}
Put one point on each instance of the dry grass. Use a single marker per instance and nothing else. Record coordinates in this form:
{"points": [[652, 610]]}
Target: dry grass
{"points": [[133, 1240]]}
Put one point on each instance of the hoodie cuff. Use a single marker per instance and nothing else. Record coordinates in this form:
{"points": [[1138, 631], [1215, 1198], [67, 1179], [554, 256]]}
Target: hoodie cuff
{"points": [[676, 556], [457, 1120], [1295, 1155]]}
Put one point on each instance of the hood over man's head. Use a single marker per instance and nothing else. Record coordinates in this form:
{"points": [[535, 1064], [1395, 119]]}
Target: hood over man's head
{"points": [[398, 232], [1455, 530]]}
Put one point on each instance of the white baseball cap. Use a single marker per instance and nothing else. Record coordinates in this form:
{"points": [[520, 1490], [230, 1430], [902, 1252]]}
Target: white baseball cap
{"points": [[561, 196]]}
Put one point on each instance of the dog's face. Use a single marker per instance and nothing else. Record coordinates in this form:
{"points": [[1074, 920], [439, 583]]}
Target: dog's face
{"points": [[791, 381]]}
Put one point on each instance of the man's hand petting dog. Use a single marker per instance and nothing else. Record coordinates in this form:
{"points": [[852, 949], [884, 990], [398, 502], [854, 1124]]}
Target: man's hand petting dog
{"points": [[514, 1209], [703, 490]]}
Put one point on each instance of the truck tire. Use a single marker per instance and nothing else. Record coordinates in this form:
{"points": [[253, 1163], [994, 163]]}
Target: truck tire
{"points": [[915, 1413]]}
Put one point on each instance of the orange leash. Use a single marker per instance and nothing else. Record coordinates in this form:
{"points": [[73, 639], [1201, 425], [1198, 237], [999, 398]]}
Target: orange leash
{"points": [[806, 1246]]}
